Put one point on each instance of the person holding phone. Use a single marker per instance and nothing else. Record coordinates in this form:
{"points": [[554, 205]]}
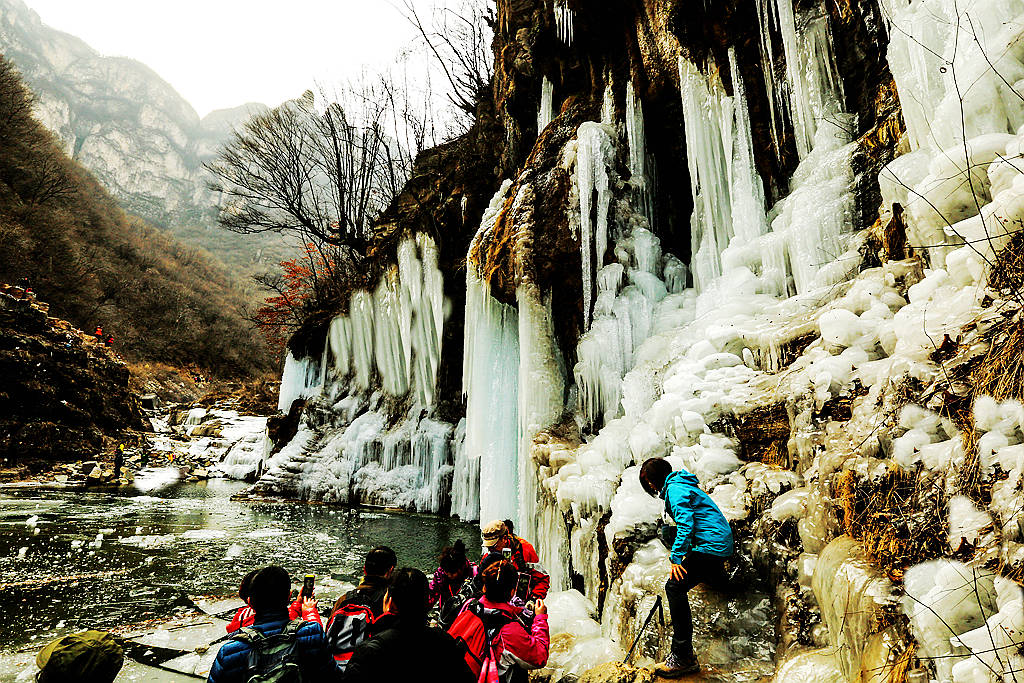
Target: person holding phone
{"points": [[497, 539]]}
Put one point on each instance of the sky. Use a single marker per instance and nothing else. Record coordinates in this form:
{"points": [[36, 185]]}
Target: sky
{"points": [[223, 53]]}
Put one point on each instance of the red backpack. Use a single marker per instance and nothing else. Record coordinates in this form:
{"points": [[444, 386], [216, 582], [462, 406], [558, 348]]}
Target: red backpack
{"points": [[349, 625], [476, 629]]}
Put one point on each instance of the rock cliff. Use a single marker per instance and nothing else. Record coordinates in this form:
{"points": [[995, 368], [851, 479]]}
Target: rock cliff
{"points": [[770, 240], [62, 392]]}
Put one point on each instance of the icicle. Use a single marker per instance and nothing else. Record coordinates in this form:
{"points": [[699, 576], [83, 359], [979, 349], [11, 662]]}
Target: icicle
{"points": [[813, 91], [546, 112], [595, 154], [707, 112], [564, 22], [301, 378], [638, 152], [541, 391]]}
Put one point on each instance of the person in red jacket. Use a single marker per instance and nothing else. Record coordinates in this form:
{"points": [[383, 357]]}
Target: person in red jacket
{"points": [[497, 539], [244, 616], [519, 646], [529, 552]]}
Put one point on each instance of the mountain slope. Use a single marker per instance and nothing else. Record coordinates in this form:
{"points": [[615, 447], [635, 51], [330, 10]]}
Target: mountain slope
{"points": [[161, 300], [141, 139]]}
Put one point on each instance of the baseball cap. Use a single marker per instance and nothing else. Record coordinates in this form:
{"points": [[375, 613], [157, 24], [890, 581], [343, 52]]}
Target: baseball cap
{"points": [[493, 532]]}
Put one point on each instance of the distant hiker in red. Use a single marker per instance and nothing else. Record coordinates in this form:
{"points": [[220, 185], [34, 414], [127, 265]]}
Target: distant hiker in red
{"points": [[110, 340], [98, 334], [501, 641]]}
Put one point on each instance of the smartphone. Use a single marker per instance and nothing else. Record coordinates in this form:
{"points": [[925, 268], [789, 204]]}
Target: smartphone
{"points": [[307, 586], [523, 585], [507, 552]]}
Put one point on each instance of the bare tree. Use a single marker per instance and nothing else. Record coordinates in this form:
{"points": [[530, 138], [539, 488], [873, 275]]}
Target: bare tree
{"points": [[300, 170], [459, 38]]}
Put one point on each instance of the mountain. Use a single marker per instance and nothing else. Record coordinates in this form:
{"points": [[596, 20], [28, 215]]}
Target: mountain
{"points": [[130, 128], [162, 300]]}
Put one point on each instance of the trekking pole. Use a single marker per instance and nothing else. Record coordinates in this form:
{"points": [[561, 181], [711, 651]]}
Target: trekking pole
{"points": [[647, 622]]}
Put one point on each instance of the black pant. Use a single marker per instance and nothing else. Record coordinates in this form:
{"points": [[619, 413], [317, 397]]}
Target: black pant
{"points": [[700, 568]]}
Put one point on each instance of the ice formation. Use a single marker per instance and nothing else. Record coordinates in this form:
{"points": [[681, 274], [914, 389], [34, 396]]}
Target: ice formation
{"points": [[564, 18], [546, 112], [390, 343]]}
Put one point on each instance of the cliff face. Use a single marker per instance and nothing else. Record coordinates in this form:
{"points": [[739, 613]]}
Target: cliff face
{"points": [[142, 141], [769, 240], [62, 392]]}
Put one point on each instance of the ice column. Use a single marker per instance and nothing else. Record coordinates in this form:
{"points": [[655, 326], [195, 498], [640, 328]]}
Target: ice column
{"points": [[491, 386], [396, 331], [814, 90], [541, 391], [708, 115], [301, 378], [546, 112], [595, 156], [465, 479]]}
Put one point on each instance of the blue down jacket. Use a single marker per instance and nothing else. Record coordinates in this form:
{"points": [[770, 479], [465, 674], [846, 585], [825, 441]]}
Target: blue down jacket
{"points": [[316, 663], [700, 525]]}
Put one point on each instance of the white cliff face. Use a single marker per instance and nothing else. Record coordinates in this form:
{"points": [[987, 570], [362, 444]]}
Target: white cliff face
{"points": [[119, 119]]}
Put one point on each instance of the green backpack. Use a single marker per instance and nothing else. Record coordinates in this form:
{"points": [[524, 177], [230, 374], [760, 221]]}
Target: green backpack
{"points": [[270, 657]]}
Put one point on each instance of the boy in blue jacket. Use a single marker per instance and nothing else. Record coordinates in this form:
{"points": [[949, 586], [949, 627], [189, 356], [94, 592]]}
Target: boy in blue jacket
{"points": [[269, 592], [703, 541]]}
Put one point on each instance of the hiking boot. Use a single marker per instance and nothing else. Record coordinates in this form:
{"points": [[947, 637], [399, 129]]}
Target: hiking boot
{"points": [[676, 667]]}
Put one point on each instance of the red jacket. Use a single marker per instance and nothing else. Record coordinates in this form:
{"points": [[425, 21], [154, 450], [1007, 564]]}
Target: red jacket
{"points": [[515, 645], [245, 616], [529, 552]]}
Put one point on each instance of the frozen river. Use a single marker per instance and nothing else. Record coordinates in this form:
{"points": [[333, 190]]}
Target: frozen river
{"points": [[76, 560]]}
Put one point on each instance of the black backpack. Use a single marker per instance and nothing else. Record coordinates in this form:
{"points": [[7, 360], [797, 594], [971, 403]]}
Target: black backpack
{"points": [[271, 658]]}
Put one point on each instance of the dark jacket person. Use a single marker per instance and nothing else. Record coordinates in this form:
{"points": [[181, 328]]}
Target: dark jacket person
{"points": [[408, 650], [269, 593]]}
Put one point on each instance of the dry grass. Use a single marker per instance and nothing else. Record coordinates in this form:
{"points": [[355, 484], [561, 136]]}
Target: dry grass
{"points": [[898, 518]]}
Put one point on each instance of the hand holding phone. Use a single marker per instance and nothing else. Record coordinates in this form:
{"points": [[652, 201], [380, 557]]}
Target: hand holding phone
{"points": [[308, 586]]}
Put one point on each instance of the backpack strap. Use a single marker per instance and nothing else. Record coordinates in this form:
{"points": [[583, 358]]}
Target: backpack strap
{"points": [[293, 627], [248, 635]]}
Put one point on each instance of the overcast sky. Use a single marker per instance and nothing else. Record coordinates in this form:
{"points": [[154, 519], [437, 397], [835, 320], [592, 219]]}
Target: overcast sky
{"points": [[222, 53]]}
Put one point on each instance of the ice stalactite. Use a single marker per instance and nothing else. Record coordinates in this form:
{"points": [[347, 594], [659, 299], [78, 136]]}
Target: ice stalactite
{"points": [[490, 383], [465, 478], [301, 378], [564, 18], [595, 157], [640, 179], [392, 333], [546, 112], [812, 91], [728, 193]]}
